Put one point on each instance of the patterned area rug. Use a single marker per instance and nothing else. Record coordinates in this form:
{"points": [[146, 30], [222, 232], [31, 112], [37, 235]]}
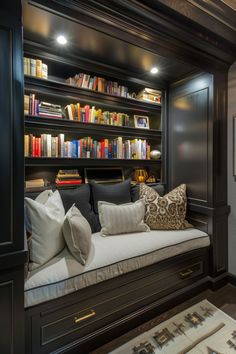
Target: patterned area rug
{"points": [[201, 329]]}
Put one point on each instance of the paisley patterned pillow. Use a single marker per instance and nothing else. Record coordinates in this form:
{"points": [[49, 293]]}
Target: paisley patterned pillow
{"points": [[165, 213]]}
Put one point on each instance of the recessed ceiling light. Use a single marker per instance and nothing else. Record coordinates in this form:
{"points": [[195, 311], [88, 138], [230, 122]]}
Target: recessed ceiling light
{"points": [[61, 40], [154, 70]]}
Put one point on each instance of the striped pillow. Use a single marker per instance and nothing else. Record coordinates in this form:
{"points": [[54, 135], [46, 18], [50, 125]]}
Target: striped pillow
{"points": [[122, 218]]}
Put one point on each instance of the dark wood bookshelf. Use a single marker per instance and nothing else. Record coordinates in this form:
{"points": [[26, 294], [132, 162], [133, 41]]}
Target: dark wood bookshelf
{"points": [[71, 126], [59, 88], [66, 161]]}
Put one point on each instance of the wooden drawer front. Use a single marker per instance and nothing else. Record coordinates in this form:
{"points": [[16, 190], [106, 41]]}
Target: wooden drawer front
{"points": [[74, 320]]}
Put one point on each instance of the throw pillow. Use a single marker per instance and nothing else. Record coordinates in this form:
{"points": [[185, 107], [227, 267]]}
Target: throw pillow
{"points": [[81, 196], [44, 219], [168, 212], [135, 190], [120, 219], [117, 193], [77, 233]]}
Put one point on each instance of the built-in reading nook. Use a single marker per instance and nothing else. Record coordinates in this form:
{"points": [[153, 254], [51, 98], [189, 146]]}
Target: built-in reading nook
{"points": [[115, 169]]}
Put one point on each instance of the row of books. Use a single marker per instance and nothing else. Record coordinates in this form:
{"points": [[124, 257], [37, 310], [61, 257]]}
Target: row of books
{"points": [[35, 67], [89, 114], [35, 107], [76, 112], [49, 146], [99, 84]]}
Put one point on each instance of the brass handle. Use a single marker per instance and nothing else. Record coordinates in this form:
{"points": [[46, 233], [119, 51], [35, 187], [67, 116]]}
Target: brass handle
{"points": [[79, 319], [185, 274]]}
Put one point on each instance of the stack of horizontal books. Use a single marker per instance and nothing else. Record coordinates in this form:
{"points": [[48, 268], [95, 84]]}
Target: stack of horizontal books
{"points": [[46, 109], [149, 95], [68, 178], [36, 185]]}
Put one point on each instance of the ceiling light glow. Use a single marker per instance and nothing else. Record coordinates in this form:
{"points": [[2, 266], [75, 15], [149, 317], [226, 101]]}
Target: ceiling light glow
{"points": [[61, 40], [154, 70]]}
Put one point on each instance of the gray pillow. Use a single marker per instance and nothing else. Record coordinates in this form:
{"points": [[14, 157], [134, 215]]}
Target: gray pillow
{"points": [[118, 193], [77, 233], [123, 218]]}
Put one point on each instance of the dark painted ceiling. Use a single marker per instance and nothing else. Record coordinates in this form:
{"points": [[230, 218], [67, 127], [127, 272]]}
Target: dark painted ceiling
{"points": [[43, 27]]}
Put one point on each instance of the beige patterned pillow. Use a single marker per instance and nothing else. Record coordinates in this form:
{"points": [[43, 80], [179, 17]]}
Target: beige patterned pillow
{"points": [[165, 213]]}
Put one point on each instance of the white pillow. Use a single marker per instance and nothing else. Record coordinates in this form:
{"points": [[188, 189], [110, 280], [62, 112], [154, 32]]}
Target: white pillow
{"points": [[44, 219], [77, 233], [123, 218]]}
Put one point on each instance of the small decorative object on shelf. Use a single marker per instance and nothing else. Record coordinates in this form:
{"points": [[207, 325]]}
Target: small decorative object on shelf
{"points": [[149, 95], [151, 179], [155, 154], [141, 122], [140, 175]]}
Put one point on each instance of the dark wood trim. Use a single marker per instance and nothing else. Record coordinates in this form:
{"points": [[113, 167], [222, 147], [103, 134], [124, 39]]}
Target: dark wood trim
{"points": [[82, 63], [61, 89], [132, 20], [81, 128], [232, 279], [60, 161]]}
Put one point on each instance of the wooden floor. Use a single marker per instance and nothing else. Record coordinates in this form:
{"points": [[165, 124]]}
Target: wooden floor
{"points": [[224, 298]]}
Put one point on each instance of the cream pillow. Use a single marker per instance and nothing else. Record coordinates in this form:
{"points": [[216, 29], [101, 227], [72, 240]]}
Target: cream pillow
{"points": [[122, 218], [77, 233], [44, 219], [167, 212]]}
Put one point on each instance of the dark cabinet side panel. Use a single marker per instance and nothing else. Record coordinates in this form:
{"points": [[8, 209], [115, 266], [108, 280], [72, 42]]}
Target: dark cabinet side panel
{"points": [[11, 130], [189, 135]]}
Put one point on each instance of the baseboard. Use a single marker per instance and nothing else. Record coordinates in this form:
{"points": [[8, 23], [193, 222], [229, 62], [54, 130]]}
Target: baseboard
{"points": [[232, 279], [219, 281]]}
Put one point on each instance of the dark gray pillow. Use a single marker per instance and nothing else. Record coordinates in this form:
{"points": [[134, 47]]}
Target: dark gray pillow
{"points": [[159, 188], [118, 193], [81, 197]]}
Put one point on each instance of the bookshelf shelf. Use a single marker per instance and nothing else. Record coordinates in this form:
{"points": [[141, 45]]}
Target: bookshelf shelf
{"points": [[51, 161], [55, 124], [59, 88]]}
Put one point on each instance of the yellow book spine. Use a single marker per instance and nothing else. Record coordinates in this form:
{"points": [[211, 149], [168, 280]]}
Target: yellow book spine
{"points": [[38, 68]]}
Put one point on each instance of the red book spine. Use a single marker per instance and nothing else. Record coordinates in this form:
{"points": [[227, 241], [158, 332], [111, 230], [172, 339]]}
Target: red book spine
{"points": [[87, 108], [34, 150], [102, 149], [36, 147], [68, 182], [40, 148]]}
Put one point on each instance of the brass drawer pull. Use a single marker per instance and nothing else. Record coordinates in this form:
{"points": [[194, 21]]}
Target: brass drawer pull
{"points": [[185, 273], [79, 319]]}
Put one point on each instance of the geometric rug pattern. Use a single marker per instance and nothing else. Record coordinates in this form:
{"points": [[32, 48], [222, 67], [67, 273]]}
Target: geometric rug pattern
{"points": [[200, 329]]}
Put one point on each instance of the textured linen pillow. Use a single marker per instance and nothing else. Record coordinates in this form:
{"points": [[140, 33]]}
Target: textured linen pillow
{"points": [[44, 219], [117, 193], [77, 233], [123, 218], [167, 212]]}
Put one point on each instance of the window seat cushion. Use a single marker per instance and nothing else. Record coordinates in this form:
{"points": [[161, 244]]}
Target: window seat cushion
{"points": [[110, 257]]}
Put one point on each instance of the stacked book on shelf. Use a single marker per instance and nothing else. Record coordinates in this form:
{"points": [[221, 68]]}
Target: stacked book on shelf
{"points": [[34, 107], [35, 185], [99, 84], [89, 114], [149, 95], [48, 146], [35, 67], [66, 178]]}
